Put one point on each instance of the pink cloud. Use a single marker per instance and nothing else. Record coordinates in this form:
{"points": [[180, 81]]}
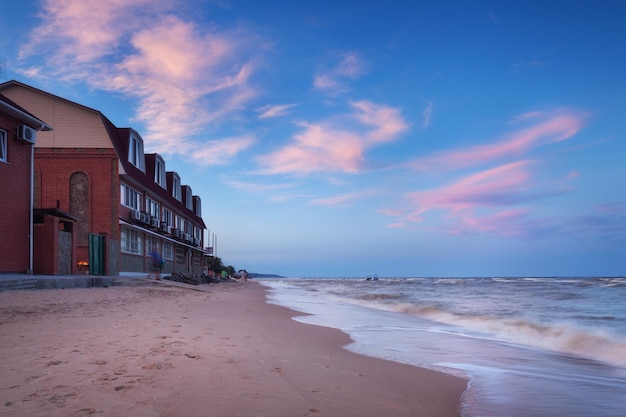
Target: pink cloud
{"points": [[218, 152], [317, 148], [487, 188], [387, 121], [343, 199], [556, 128], [81, 31], [183, 77], [271, 111], [335, 81], [473, 204], [328, 146]]}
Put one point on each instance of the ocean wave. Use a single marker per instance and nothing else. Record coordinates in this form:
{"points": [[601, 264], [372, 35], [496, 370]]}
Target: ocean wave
{"points": [[557, 337]]}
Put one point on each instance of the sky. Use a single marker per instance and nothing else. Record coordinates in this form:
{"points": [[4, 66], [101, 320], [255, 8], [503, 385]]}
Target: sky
{"points": [[341, 138]]}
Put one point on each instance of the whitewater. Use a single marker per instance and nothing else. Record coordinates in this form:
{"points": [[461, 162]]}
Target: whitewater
{"points": [[529, 347]]}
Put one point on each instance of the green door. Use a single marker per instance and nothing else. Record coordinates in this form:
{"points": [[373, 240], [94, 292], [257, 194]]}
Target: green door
{"points": [[96, 254]]}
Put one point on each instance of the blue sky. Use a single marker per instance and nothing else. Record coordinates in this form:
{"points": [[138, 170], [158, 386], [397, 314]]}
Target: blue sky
{"points": [[341, 138]]}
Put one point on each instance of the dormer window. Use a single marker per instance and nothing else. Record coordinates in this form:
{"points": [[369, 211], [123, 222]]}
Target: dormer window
{"points": [[197, 206], [135, 152], [188, 198], [159, 171], [176, 190]]}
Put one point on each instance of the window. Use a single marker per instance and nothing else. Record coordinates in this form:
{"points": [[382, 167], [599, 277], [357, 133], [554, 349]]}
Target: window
{"points": [[168, 217], [176, 190], [130, 198], [197, 209], [159, 171], [153, 208], [152, 243], [188, 198], [168, 250], [197, 233], [131, 241], [135, 152], [3, 145], [180, 223]]}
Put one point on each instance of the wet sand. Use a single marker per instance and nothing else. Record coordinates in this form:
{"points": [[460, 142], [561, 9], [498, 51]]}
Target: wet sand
{"points": [[169, 351]]}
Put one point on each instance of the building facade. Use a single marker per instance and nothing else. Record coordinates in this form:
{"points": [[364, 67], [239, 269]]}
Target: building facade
{"points": [[18, 132], [123, 200]]}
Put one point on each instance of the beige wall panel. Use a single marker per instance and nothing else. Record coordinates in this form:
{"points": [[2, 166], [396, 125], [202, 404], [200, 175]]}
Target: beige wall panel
{"points": [[74, 126]]}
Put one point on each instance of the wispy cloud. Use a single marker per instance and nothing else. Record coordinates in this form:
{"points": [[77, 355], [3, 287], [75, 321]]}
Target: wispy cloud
{"points": [[333, 146], [344, 198], [490, 188], [427, 114], [492, 200], [184, 77], [275, 110], [217, 152], [256, 187], [553, 128], [487, 202], [335, 80]]}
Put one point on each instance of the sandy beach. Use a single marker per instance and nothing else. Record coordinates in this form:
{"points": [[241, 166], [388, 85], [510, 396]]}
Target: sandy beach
{"points": [[168, 351]]}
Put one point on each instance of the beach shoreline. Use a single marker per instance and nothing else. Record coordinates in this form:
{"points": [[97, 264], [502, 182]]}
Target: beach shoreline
{"points": [[168, 351]]}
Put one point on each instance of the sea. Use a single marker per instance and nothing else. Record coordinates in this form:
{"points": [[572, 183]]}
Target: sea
{"points": [[529, 347]]}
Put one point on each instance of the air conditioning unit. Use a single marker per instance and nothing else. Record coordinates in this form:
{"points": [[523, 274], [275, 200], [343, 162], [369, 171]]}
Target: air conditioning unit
{"points": [[154, 222], [163, 226], [135, 215], [27, 134], [196, 242], [145, 218], [176, 233], [187, 237]]}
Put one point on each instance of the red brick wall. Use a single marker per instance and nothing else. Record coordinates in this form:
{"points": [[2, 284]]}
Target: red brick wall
{"points": [[56, 166], [15, 202]]}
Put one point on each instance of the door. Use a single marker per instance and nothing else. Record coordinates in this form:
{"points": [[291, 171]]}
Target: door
{"points": [[96, 254]]}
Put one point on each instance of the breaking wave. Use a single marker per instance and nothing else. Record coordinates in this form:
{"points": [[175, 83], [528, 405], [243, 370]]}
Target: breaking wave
{"points": [[557, 337]]}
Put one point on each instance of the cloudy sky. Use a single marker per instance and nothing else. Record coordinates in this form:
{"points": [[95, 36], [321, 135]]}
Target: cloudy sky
{"points": [[341, 138]]}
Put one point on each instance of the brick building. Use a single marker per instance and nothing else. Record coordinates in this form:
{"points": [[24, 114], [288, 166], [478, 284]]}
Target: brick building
{"points": [[125, 202], [18, 131]]}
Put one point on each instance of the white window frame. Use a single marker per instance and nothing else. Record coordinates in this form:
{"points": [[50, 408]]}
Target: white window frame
{"points": [[135, 152], [152, 242], [159, 172], [167, 217], [168, 251], [188, 198], [179, 222], [3, 146], [131, 241], [153, 208], [176, 189], [130, 197]]}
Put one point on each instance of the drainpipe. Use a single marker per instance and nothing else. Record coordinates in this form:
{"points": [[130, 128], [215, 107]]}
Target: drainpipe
{"points": [[32, 204]]}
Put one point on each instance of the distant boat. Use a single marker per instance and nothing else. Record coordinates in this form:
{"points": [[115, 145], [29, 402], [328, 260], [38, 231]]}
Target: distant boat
{"points": [[372, 277]]}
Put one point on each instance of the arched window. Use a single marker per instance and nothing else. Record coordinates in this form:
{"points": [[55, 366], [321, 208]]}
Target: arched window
{"points": [[79, 206]]}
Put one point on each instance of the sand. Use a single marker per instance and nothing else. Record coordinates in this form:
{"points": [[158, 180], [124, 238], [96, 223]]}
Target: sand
{"points": [[169, 351]]}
